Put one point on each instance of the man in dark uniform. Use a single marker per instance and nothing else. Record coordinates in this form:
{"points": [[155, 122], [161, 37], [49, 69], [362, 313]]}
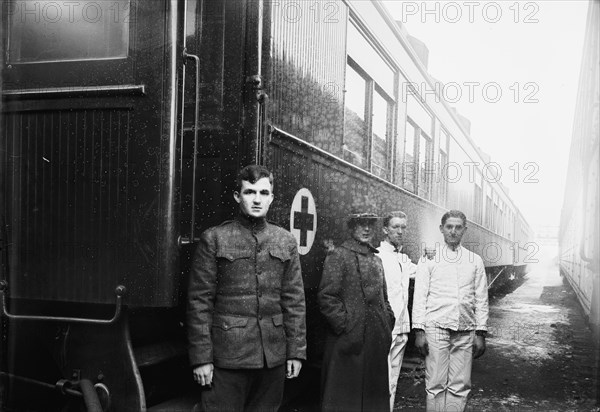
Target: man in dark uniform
{"points": [[246, 309]]}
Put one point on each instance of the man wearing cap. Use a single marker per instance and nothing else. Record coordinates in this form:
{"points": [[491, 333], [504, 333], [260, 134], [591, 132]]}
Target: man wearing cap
{"points": [[450, 313], [398, 270], [353, 299], [246, 309]]}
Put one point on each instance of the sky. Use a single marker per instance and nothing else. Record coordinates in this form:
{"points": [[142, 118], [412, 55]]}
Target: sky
{"points": [[511, 68]]}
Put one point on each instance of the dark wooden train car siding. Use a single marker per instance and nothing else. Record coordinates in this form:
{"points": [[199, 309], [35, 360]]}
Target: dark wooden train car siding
{"points": [[90, 201], [305, 79], [68, 175]]}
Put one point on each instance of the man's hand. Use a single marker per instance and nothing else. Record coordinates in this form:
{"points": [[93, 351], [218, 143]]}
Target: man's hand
{"points": [[421, 343], [203, 374], [478, 346], [293, 368]]}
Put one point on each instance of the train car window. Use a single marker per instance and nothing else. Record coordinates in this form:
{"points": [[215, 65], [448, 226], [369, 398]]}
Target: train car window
{"points": [[50, 31], [355, 124], [495, 213], [381, 151], [443, 181], [419, 115], [425, 167], [408, 168], [501, 217], [422, 121], [369, 87], [488, 208], [365, 56], [478, 199]]}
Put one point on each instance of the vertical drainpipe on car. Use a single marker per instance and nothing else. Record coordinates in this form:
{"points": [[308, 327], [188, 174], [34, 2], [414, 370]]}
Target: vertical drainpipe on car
{"points": [[254, 97]]}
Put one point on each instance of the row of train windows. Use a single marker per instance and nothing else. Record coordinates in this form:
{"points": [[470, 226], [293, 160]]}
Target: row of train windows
{"points": [[410, 160], [369, 112]]}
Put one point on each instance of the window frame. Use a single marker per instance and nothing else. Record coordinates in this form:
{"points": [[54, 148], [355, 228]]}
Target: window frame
{"points": [[79, 73], [373, 87]]}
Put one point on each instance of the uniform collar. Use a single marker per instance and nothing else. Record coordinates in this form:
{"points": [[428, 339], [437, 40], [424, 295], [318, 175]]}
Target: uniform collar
{"points": [[252, 223], [358, 247], [457, 250], [388, 247]]}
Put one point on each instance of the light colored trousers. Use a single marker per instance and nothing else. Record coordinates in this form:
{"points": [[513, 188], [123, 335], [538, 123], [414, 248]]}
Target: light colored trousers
{"points": [[448, 369], [395, 362]]}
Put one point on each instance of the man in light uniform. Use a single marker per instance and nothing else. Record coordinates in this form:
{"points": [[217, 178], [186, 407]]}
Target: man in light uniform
{"points": [[450, 313], [398, 271]]}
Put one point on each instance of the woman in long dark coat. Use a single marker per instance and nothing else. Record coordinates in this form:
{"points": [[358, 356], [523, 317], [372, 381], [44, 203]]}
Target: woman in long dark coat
{"points": [[353, 298]]}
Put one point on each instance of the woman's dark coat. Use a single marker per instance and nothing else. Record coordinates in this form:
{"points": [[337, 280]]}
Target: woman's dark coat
{"points": [[353, 299]]}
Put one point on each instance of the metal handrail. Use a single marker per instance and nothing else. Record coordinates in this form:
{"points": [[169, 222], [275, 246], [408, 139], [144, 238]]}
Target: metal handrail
{"points": [[183, 240], [119, 292], [63, 386]]}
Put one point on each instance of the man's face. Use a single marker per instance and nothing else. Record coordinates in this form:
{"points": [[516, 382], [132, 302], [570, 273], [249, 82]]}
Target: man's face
{"points": [[364, 230], [255, 198], [453, 231], [394, 230]]}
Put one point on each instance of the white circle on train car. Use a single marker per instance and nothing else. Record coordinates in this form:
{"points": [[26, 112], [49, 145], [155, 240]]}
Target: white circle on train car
{"points": [[303, 220]]}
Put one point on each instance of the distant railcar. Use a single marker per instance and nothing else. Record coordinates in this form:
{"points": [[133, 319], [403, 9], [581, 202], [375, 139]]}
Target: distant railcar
{"points": [[124, 124], [578, 236]]}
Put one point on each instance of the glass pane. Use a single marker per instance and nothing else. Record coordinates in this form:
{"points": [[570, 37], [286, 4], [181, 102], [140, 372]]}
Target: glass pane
{"points": [[443, 178], [380, 147], [409, 158], [424, 167], [443, 142], [355, 127], [363, 53], [47, 31], [419, 115]]}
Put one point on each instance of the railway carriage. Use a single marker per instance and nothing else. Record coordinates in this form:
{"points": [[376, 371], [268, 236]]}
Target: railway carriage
{"points": [[124, 123], [579, 246]]}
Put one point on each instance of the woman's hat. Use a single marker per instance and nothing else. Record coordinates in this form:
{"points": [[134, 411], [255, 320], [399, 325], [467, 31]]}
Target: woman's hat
{"points": [[363, 216], [363, 209]]}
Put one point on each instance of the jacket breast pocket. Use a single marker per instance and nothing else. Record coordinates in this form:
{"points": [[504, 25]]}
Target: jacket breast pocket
{"points": [[280, 253], [230, 336], [279, 258], [233, 254]]}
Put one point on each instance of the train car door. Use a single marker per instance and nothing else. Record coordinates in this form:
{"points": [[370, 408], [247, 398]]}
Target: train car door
{"points": [[87, 165], [214, 110]]}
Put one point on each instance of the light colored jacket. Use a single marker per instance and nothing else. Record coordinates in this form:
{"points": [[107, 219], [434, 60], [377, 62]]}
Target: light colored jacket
{"points": [[398, 270], [451, 291]]}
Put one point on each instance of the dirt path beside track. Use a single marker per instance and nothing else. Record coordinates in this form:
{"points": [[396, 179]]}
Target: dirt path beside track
{"points": [[540, 353]]}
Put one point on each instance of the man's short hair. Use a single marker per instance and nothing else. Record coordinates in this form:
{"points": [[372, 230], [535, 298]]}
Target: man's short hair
{"points": [[454, 213], [390, 215], [252, 174]]}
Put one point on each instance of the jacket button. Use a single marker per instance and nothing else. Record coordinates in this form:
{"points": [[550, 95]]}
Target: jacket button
{"points": [[259, 317], [259, 294]]}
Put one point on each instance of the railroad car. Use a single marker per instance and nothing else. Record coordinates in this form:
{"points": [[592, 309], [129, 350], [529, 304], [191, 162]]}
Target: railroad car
{"points": [[578, 236], [124, 123]]}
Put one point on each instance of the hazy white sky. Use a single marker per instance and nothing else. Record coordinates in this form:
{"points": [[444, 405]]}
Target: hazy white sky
{"points": [[530, 52]]}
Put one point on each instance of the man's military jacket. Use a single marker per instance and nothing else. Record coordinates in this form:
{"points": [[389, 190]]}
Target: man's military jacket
{"points": [[246, 306]]}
